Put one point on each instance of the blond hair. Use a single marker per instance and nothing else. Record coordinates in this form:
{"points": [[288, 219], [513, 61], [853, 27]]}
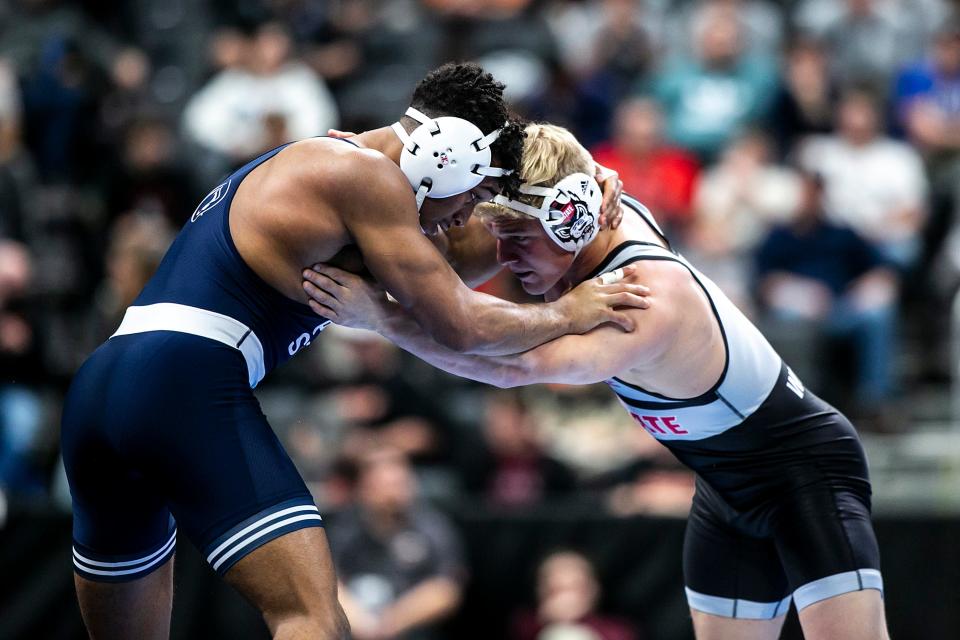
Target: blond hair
{"points": [[550, 153]]}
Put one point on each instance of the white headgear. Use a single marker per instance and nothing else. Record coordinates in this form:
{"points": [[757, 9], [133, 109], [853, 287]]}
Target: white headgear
{"points": [[445, 156], [569, 213]]}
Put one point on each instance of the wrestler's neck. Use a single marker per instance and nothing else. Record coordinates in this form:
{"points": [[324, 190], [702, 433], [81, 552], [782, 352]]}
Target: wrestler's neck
{"points": [[587, 261]]}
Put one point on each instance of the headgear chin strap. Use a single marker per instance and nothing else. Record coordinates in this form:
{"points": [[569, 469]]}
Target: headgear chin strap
{"points": [[445, 156], [569, 213]]}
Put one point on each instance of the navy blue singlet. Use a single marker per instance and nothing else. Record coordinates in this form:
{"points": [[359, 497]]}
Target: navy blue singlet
{"points": [[161, 430], [203, 269]]}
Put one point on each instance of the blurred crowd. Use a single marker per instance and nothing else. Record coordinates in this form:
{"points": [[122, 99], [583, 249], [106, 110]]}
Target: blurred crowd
{"points": [[805, 154]]}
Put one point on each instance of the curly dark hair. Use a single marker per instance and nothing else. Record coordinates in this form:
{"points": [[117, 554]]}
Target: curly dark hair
{"points": [[465, 90]]}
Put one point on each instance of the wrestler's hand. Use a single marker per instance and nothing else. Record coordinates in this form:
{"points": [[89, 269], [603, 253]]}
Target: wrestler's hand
{"points": [[602, 299], [610, 211], [345, 298], [336, 133]]}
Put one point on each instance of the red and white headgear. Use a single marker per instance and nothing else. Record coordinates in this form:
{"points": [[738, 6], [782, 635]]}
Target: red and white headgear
{"points": [[569, 213]]}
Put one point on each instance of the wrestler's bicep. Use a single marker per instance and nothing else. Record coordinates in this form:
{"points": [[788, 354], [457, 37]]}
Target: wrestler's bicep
{"points": [[591, 357], [412, 270]]}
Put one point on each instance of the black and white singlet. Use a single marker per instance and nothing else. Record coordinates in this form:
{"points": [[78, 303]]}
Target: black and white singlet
{"points": [[782, 506]]}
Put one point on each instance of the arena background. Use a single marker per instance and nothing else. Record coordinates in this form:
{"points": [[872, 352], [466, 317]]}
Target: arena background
{"points": [[116, 119]]}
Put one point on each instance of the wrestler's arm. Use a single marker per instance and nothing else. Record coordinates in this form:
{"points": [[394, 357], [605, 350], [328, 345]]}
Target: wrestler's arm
{"points": [[591, 357], [573, 359], [377, 209]]}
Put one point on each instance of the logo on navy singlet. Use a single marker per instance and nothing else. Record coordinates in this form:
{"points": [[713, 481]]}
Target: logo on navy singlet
{"points": [[213, 198], [303, 340]]}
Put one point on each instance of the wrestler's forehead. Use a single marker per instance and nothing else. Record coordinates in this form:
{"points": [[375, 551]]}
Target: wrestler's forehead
{"points": [[513, 226]]}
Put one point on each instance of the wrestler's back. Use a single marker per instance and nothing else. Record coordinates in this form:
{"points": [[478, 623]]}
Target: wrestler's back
{"points": [[284, 216]]}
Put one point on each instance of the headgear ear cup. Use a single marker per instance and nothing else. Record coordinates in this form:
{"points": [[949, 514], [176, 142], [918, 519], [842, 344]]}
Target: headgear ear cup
{"points": [[569, 213], [445, 156]]}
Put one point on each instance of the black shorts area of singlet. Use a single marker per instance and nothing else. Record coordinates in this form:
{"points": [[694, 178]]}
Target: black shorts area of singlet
{"points": [[781, 511]]}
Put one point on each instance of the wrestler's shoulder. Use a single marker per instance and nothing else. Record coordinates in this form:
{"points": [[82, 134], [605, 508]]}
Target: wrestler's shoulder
{"points": [[670, 281], [663, 270], [339, 168]]}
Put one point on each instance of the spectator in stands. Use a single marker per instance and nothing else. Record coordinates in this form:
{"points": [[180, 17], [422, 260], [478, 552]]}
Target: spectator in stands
{"points": [[927, 92], [270, 99], [761, 23], [138, 242], [736, 203], [653, 482], [815, 271], [623, 47], [374, 400], [874, 184], [56, 98], [868, 39], [600, 49], [150, 177], [21, 411], [807, 98], [398, 560], [635, 31], [371, 52], [61, 56], [568, 597], [16, 167], [927, 102], [129, 94], [512, 469], [709, 95], [660, 175]]}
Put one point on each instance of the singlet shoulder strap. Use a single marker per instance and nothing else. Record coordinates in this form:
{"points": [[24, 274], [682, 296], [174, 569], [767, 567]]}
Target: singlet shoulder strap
{"points": [[631, 251], [635, 250]]}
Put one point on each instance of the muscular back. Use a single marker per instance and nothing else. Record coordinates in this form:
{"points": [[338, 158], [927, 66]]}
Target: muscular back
{"points": [[285, 217]]}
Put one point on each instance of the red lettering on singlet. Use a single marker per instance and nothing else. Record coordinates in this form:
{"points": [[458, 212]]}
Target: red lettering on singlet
{"points": [[650, 423], [671, 423]]}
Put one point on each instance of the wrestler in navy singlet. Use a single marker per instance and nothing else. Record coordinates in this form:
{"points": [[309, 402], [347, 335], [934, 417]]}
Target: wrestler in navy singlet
{"points": [[161, 429], [782, 505], [203, 269]]}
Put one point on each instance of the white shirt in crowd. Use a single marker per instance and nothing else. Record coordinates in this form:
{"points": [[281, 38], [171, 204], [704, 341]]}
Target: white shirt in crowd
{"points": [[227, 115], [868, 186]]}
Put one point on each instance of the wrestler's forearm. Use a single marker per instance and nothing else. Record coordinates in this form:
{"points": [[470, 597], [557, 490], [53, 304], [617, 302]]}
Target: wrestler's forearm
{"points": [[501, 371], [499, 328]]}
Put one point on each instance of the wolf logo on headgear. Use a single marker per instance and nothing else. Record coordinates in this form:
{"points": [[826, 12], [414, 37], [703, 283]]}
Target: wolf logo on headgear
{"points": [[574, 218], [569, 212]]}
